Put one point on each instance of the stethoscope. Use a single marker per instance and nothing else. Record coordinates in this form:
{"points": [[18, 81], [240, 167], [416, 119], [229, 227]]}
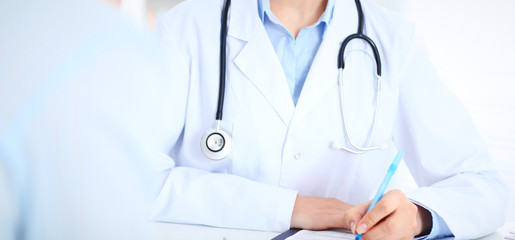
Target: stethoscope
{"points": [[216, 144]]}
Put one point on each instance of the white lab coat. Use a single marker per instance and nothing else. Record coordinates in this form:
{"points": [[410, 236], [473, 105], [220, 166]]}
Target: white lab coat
{"points": [[280, 150]]}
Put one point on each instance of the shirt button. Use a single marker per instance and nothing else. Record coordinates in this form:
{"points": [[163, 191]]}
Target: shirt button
{"points": [[296, 156]]}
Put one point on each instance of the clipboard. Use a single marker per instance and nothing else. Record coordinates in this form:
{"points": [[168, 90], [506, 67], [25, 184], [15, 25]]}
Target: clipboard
{"points": [[286, 234], [329, 234]]}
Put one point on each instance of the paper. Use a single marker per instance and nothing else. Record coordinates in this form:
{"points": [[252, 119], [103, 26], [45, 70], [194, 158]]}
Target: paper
{"points": [[510, 236], [331, 234]]}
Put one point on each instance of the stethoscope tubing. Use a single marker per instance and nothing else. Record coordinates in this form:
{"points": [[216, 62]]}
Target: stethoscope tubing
{"points": [[223, 56], [359, 35], [217, 155], [341, 60]]}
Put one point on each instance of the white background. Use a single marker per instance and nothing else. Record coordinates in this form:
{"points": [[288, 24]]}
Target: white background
{"points": [[472, 44]]}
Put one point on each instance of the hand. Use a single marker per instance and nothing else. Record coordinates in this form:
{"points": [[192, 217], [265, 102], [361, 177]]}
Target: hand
{"points": [[318, 213], [393, 217]]}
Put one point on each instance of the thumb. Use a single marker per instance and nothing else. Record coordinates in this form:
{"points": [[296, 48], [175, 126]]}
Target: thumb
{"points": [[354, 215]]}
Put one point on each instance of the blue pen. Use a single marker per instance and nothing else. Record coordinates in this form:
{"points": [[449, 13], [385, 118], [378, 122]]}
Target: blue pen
{"points": [[386, 180]]}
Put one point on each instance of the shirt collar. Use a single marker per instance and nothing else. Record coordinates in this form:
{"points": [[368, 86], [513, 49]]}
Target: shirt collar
{"points": [[264, 8]]}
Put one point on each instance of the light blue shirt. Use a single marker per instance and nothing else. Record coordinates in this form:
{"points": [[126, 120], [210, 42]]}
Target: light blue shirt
{"points": [[296, 57]]}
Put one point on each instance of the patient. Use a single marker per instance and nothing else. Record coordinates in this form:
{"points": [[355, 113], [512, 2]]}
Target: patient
{"points": [[77, 84]]}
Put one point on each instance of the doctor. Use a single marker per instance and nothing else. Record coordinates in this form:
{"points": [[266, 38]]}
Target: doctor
{"points": [[303, 144]]}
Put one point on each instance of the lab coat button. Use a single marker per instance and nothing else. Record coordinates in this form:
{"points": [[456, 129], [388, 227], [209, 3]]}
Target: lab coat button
{"points": [[296, 156]]}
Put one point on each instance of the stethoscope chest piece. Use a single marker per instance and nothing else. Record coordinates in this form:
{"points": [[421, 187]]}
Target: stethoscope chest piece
{"points": [[216, 144]]}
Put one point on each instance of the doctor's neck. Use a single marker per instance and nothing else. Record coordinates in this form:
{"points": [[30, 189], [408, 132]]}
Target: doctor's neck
{"points": [[297, 14]]}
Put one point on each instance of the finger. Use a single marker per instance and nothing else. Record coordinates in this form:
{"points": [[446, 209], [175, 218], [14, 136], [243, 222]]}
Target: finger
{"points": [[392, 227], [386, 206], [336, 213], [353, 216]]}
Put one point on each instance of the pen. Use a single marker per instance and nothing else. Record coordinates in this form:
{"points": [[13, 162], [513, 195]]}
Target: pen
{"points": [[384, 184]]}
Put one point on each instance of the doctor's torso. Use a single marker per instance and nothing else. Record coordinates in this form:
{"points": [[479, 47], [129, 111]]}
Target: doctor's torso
{"points": [[273, 141]]}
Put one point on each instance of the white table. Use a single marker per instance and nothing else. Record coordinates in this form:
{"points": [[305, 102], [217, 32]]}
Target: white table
{"points": [[172, 231]]}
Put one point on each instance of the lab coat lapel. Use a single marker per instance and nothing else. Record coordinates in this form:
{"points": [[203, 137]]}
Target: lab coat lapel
{"points": [[323, 73], [257, 59]]}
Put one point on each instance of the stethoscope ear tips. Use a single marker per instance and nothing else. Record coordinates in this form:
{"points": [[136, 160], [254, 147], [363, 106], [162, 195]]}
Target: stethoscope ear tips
{"points": [[335, 145], [216, 144]]}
